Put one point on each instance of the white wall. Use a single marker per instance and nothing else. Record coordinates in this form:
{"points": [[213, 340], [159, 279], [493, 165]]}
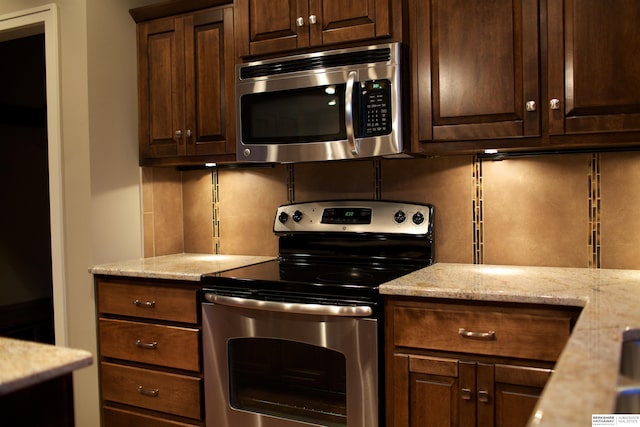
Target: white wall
{"points": [[101, 206]]}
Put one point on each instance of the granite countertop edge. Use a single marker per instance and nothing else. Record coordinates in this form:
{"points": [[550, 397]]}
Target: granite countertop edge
{"points": [[586, 377], [183, 266], [25, 363]]}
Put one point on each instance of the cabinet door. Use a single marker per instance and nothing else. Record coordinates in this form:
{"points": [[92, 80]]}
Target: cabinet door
{"points": [[475, 69], [268, 26], [593, 66], [437, 389], [339, 21], [161, 87], [209, 55], [517, 389]]}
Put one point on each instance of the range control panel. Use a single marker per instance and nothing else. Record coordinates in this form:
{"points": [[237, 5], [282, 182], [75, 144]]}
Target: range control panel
{"points": [[355, 216]]}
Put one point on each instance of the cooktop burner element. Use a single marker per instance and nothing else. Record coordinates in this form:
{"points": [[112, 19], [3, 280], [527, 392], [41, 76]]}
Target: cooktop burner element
{"points": [[339, 250]]}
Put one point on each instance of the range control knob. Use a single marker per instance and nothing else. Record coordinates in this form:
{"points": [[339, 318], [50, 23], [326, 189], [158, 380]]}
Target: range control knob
{"points": [[297, 216], [283, 217], [400, 217], [418, 218]]}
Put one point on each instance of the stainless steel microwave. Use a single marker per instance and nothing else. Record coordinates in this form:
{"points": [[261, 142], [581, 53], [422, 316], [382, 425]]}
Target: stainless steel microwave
{"points": [[331, 105]]}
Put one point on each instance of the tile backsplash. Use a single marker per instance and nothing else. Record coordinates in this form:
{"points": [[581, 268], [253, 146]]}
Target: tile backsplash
{"points": [[567, 210]]}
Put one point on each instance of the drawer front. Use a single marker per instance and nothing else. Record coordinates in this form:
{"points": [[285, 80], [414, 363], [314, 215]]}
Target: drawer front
{"points": [[158, 391], [152, 302], [169, 346], [115, 417], [497, 333]]}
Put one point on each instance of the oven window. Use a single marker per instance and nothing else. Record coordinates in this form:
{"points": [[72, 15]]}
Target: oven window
{"points": [[288, 379], [294, 116]]}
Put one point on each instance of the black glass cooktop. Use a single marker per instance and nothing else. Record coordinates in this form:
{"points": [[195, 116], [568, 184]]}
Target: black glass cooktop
{"points": [[308, 280]]}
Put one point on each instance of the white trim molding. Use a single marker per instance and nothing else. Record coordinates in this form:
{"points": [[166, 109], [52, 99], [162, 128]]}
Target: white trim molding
{"points": [[44, 19]]}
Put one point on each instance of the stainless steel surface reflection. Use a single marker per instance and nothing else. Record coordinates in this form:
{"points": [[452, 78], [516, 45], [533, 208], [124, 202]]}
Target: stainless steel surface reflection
{"points": [[351, 339]]}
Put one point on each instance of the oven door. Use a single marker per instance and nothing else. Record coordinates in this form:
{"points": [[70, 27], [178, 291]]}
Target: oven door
{"points": [[270, 364]]}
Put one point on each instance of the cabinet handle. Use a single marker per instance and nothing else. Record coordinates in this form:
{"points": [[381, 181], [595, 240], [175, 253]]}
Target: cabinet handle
{"points": [[144, 304], [300, 21], [465, 393], [188, 133], [483, 396], [179, 134], [147, 345], [530, 106], [554, 104], [313, 19], [151, 392], [491, 335]]}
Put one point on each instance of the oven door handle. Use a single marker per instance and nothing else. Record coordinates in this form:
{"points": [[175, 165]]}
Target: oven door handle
{"points": [[288, 307]]}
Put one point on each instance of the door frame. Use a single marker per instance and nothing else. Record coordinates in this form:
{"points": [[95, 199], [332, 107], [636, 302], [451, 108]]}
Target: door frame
{"points": [[39, 20]]}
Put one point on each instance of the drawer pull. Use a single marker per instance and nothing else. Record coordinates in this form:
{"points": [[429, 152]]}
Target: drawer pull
{"points": [[466, 394], [151, 393], [147, 345], [491, 335], [144, 304], [483, 396]]}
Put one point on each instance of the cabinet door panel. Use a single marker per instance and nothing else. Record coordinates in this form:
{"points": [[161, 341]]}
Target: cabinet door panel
{"points": [[515, 404], [268, 26], [209, 68], [592, 65], [433, 401], [161, 72], [479, 80], [347, 21]]}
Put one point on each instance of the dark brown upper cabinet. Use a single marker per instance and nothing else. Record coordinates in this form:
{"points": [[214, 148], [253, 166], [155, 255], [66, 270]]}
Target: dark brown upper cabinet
{"points": [[474, 67], [523, 74], [273, 26], [185, 85], [593, 66]]}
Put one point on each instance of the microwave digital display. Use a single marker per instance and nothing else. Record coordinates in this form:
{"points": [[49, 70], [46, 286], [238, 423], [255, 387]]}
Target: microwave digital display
{"points": [[376, 108]]}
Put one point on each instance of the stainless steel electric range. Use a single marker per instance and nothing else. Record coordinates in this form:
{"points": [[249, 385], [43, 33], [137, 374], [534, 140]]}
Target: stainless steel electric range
{"points": [[297, 341]]}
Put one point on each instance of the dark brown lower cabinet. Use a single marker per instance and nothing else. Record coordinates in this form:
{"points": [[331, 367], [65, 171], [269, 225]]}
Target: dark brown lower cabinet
{"points": [[453, 364], [447, 392]]}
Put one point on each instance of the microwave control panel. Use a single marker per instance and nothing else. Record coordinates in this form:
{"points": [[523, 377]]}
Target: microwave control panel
{"points": [[376, 107]]}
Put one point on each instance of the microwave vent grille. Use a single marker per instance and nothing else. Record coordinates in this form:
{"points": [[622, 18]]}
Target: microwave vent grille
{"points": [[316, 62]]}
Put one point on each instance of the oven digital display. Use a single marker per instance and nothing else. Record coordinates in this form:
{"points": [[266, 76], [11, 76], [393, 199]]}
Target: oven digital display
{"points": [[346, 216]]}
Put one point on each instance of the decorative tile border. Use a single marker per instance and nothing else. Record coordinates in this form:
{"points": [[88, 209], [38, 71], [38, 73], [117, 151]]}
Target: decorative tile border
{"points": [[290, 183], [594, 212], [215, 197], [477, 211]]}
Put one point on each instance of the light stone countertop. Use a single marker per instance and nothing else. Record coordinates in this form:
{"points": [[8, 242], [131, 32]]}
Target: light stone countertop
{"points": [[586, 374], [177, 267], [25, 363]]}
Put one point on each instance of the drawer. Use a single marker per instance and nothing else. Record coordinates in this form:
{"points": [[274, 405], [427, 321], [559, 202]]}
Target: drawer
{"points": [[115, 417], [159, 391], [500, 331], [151, 302], [170, 346]]}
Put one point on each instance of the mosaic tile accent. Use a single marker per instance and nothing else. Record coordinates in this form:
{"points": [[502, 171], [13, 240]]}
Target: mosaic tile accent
{"points": [[377, 179], [477, 212], [594, 212], [290, 183], [216, 215]]}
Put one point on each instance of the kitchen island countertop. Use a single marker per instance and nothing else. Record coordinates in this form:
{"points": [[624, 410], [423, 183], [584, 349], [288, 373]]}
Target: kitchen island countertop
{"points": [[586, 374], [177, 267], [24, 363]]}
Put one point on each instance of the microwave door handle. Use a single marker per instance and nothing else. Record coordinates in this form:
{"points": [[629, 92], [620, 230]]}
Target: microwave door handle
{"points": [[348, 113], [291, 308]]}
